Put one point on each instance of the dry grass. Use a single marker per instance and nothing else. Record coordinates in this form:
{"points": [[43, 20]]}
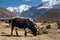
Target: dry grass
{"points": [[5, 35]]}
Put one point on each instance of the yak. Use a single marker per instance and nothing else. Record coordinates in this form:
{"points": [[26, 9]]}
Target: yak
{"points": [[23, 23]]}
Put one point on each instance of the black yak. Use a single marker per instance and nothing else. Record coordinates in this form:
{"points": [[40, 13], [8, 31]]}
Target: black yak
{"points": [[23, 23]]}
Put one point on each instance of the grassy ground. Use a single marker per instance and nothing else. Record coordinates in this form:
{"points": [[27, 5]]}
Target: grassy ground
{"points": [[53, 34]]}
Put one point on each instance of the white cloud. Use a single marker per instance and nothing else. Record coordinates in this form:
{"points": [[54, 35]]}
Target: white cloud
{"points": [[27, 0]]}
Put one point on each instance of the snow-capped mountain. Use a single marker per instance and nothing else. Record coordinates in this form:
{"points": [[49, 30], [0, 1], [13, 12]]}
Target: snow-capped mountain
{"points": [[34, 12], [27, 11], [50, 4], [18, 10]]}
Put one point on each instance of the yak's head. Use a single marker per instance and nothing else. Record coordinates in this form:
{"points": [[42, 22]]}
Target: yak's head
{"points": [[33, 28]]}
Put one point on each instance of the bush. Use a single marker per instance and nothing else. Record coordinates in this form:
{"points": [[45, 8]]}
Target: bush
{"points": [[48, 26]]}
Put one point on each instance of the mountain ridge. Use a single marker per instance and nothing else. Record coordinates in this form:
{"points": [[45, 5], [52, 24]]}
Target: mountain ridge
{"points": [[34, 12], [5, 13], [51, 15]]}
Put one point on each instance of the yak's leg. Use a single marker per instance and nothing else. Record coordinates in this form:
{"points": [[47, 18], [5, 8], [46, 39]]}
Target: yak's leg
{"points": [[12, 30], [25, 32], [16, 31]]}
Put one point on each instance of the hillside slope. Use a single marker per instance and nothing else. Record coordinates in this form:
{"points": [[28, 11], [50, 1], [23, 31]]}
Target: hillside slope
{"points": [[51, 15], [6, 14]]}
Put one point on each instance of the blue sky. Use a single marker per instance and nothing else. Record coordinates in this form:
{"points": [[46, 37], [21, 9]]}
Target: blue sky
{"points": [[15, 3]]}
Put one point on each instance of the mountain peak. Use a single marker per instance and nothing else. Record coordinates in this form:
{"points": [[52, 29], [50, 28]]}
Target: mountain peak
{"points": [[19, 8], [49, 4], [24, 7], [52, 2]]}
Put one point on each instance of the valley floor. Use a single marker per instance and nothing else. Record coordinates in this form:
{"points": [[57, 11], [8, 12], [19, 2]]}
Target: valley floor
{"points": [[53, 34]]}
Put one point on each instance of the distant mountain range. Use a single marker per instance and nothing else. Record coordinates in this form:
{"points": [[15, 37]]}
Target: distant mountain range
{"points": [[18, 10], [27, 11], [34, 12]]}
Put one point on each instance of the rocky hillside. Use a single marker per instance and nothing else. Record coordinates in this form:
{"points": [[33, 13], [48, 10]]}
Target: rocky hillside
{"points": [[51, 15], [6, 14]]}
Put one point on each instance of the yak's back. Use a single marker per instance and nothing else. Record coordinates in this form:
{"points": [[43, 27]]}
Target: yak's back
{"points": [[20, 19]]}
